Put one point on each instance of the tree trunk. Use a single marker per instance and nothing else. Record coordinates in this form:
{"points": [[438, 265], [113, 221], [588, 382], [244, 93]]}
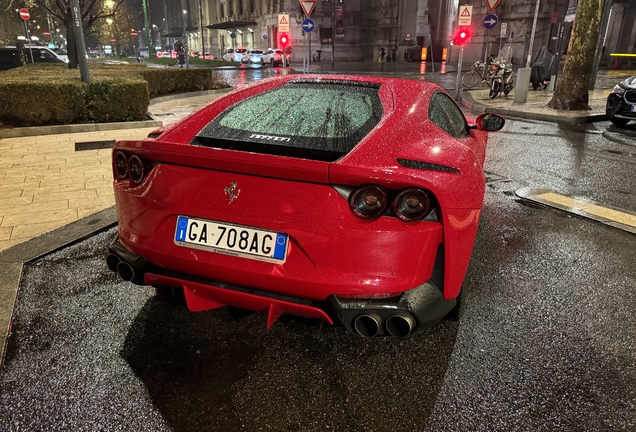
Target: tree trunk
{"points": [[71, 46], [571, 91]]}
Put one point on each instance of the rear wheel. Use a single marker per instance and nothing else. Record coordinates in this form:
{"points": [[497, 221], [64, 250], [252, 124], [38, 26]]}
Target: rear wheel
{"points": [[271, 62], [470, 79], [495, 88], [619, 121]]}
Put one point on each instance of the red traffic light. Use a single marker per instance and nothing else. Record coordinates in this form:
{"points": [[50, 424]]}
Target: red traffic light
{"points": [[461, 36], [283, 40]]}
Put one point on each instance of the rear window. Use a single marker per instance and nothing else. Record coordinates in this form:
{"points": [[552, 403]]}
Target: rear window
{"points": [[257, 52], [319, 120]]}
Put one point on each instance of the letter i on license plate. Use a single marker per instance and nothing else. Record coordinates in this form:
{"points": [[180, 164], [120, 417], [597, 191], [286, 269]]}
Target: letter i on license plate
{"points": [[231, 239]]}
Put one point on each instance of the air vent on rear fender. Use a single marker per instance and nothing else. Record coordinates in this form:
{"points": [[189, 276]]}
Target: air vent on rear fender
{"points": [[408, 163]]}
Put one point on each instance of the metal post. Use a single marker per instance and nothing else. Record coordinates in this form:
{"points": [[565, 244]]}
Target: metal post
{"points": [[185, 35], [147, 24], [333, 31], [607, 9], [80, 47], [553, 78], [165, 17], [202, 37], [26, 34], [459, 74], [430, 41], [534, 27]]}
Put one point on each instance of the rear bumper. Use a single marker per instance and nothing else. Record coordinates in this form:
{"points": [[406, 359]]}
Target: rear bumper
{"points": [[409, 313]]}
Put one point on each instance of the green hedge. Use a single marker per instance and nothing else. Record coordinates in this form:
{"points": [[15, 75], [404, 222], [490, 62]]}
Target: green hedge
{"points": [[39, 94]]}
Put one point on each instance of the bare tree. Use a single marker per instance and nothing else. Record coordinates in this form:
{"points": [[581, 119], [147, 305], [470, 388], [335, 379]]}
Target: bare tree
{"points": [[92, 11], [571, 91]]}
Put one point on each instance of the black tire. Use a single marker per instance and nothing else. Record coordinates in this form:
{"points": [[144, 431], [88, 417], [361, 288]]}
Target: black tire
{"points": [[619, 121], [495, 88], [271, 62], [470, 79], [535, 85]]}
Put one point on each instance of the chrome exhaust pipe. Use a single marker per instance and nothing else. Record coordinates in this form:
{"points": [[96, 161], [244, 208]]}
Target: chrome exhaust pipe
{"points": [[112, 261], [125, 271], [400, 325], [367, 325]]}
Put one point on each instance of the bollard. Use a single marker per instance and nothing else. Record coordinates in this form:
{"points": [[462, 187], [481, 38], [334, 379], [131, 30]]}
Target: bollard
{"points": [[521, 87]]}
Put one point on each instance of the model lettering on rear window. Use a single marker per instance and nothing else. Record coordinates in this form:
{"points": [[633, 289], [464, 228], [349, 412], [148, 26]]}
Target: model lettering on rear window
{"points": [[310, 119]]}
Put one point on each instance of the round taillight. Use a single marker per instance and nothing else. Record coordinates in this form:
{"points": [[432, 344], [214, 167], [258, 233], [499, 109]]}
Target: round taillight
{"points": [[121, 165], [411, 204], [136, 169], [368, 202]]}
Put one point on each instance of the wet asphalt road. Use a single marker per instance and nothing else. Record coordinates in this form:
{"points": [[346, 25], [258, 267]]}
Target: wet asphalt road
{"points": [[546, 339]]}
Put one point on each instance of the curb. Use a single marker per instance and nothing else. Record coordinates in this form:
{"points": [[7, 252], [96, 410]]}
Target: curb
{"points": [[76, 128], [13, 259], [477, 108]]}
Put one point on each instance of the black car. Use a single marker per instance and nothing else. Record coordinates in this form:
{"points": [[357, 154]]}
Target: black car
{"points": [[621, 103], [10, 58]]}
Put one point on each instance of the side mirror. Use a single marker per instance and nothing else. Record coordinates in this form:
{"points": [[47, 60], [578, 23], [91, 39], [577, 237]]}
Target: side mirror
{"points": [[489, 122]]}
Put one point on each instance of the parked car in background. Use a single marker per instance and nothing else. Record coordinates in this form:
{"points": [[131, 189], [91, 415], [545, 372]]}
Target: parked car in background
{"points": [[621, 102], [10, 58], [256, 56], [287, 198], [234, 55], [274, 57], [13, 56]]}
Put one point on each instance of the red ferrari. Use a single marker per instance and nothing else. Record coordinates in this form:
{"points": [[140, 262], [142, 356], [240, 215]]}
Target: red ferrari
{"points": [[354, 200]]}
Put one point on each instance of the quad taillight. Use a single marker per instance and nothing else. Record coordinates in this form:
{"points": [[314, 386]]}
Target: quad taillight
{"points": [[129, 167], [372, 201]]}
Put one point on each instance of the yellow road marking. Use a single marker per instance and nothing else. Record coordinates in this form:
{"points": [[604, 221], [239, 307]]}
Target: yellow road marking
{"points": [[593, 209]]}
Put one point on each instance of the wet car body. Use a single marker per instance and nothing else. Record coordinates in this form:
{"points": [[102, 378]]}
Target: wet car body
{"points": [[621, 102], [377, 273]]}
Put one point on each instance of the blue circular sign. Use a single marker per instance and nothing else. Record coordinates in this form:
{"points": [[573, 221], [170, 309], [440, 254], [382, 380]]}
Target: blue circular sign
{"points": [[490, 21], [308, 25], [265, 37]]}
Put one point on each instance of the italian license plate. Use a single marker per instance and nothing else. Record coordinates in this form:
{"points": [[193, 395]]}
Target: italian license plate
{"points": [[228, 239], [633, 108]]}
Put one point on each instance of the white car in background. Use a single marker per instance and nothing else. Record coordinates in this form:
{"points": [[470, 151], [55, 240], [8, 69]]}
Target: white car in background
{"points": [[274, 57], [255, 57], [234, 55]]}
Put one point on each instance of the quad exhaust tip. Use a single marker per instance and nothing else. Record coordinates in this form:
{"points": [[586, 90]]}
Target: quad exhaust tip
{"points": [[112, 261], [125, 271], [400, 325], [367, 325]]}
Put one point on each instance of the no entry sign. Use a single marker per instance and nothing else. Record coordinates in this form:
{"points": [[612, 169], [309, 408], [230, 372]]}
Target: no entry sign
{"points": [[46, 33], [24, 14]]}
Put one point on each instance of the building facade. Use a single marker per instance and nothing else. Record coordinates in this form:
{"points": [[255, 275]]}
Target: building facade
{"points": [[358, 30]]}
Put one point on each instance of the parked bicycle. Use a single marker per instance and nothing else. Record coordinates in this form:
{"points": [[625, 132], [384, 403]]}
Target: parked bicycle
{"points": [[478, 74]]}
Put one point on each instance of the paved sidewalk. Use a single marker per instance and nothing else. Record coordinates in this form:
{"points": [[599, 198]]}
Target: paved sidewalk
{"points": [[479, 101]]}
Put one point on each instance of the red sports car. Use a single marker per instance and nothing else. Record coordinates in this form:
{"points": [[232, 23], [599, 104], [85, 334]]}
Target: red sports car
{"points": [[354, 200]]}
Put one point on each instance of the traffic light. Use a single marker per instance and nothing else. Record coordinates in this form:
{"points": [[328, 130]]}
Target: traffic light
{"points": [[283, 40], [461, 36]]}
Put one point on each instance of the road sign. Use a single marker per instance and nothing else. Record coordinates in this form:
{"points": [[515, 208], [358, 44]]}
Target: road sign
{"points": [[264, 37], [283, 22], [46, 33], [554, 17], [504, 29], [465, 15], [24, 14], [133, 34], [308, 25], [307, 6], [490, 21], [492, 4]]}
